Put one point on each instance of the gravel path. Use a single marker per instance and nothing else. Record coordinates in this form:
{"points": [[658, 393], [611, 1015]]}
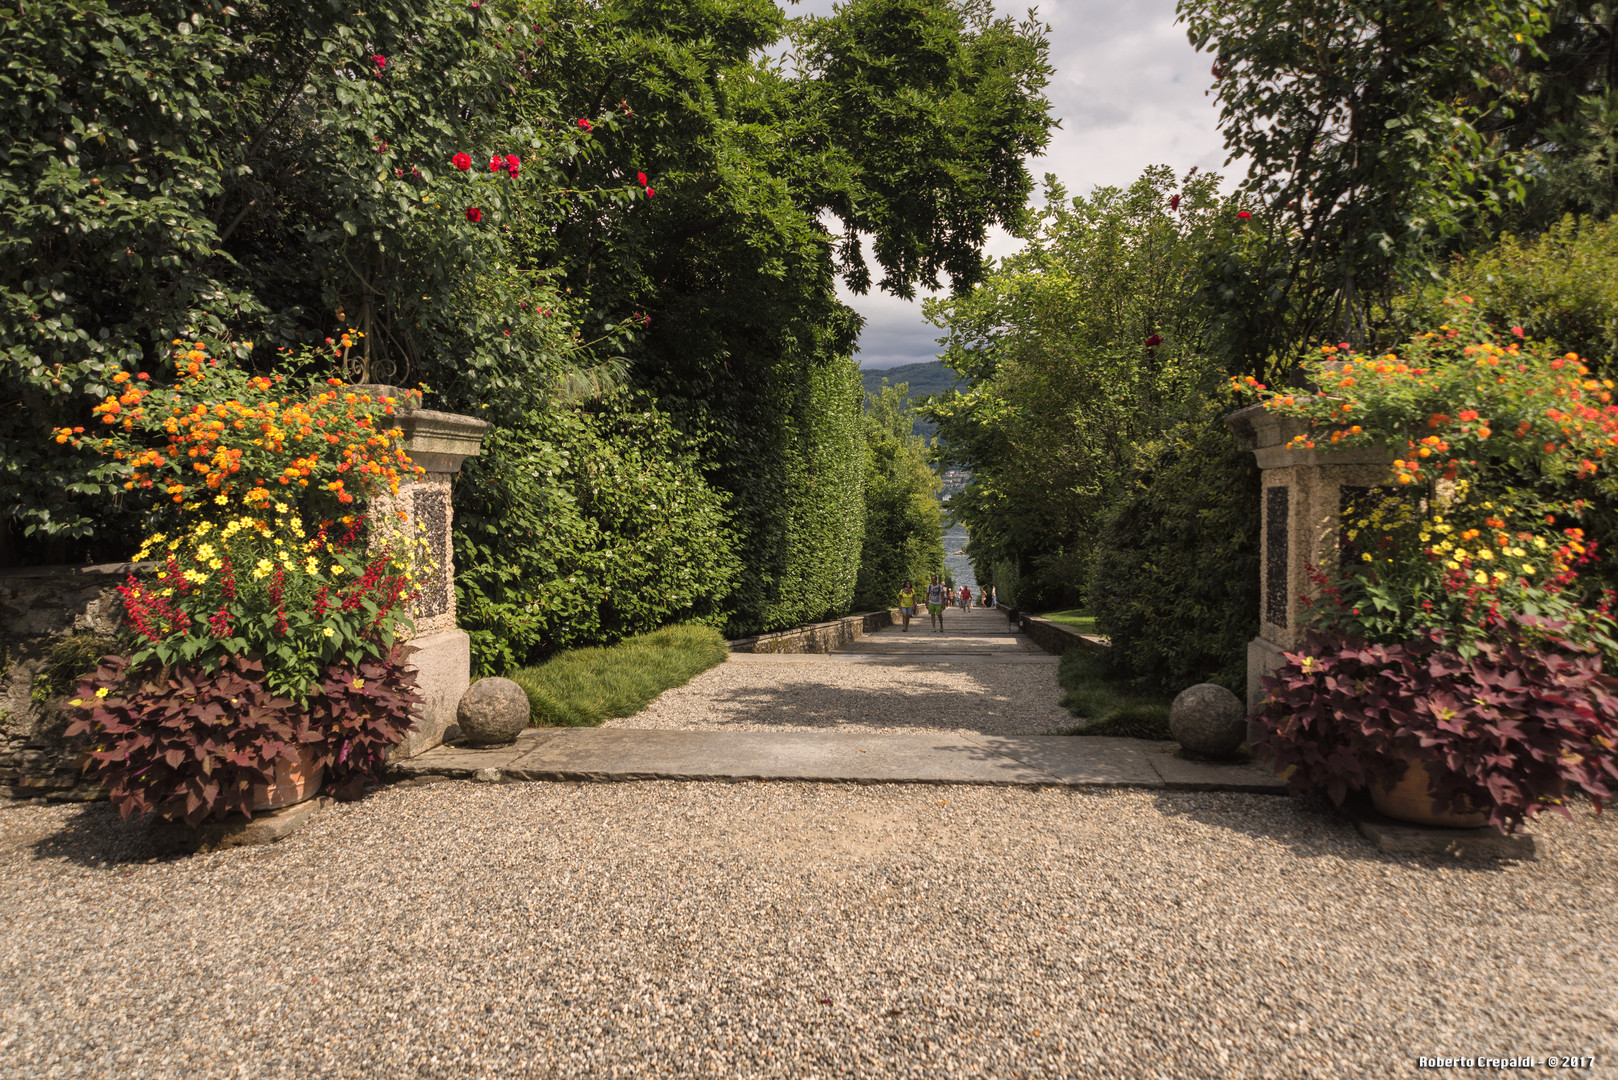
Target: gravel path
{"points": [[978, 676], [794, 930]]}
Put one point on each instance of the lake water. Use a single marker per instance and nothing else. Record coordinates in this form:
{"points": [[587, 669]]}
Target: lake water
{"points": [[955, 559]]}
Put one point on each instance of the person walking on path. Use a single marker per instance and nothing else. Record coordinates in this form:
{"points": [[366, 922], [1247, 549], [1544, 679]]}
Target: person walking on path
{"points": [[966, 598], [994, 596], [907, 604], [935, 605]]}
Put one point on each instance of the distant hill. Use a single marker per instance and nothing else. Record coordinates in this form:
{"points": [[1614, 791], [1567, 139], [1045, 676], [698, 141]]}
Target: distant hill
{"points": [[931, 377]]}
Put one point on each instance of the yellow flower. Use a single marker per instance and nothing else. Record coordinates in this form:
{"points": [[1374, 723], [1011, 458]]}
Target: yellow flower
{"points": [[329, 632], [1485, 554], [220, 500], [203, 527], [337, 568], [1528, 568], [101, 692], [1481, 578], [312, 565], [263, 569], [216, 564], [1366, 556], [359, 684], [205, 551]]}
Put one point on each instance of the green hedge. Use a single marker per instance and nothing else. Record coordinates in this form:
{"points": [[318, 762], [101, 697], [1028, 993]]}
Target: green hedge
{"points": [[1175, 580]]}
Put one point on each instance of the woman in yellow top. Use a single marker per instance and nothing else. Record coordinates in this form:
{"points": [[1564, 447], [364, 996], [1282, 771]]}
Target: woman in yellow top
{"points": [[907, 604]]}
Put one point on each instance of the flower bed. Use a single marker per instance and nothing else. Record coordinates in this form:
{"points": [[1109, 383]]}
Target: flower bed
{"points": [[270, 625], [1462, 628]]}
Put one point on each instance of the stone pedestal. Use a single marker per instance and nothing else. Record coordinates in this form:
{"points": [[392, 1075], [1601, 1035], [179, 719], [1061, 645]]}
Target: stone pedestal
{"points": [[1304, 498], [422, 517]]}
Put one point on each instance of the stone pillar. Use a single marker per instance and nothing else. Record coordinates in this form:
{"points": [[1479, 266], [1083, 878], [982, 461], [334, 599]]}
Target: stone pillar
{"points": [[440, 652], [1304, 496]]}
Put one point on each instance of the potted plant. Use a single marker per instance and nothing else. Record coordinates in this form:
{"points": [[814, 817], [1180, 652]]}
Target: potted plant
{"points": [[1457, 663], [260, 664]]}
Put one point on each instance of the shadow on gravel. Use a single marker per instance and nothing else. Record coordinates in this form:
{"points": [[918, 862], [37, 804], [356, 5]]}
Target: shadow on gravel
{"points": [[94, 835], [1308, 826], [993, 701]]}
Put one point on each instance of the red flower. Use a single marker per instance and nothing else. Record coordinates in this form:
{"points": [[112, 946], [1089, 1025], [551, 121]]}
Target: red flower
{"points": [[1469, 414], [650, 193], [380, 61], [513, 163], [496, 163], [1517, 330], [1153, 342], [474, 214], [642, 178], [1174, 202], [585, 124], [1243, 214], [462, 162]]}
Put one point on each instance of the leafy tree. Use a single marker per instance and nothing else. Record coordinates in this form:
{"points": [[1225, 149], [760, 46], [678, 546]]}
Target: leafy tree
{"points": [[1363, 123], [907, 119], [1075, 350], [260, 177], [904, 536]]}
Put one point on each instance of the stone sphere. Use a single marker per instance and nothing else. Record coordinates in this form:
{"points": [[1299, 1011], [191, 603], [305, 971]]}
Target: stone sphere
{"points": [[1208, 719], [492, 712]]}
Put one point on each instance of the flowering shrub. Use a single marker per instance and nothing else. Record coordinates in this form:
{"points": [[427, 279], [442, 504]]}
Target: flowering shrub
{"points": [[185, 743], [217, 436], [1478, 522], [263, 587], [1509, 730], [1456, 630]]}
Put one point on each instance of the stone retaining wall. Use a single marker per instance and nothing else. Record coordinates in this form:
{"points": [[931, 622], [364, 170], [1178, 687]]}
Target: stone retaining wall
{"points": [[1056, 638], [817, 637], [39, 607]]}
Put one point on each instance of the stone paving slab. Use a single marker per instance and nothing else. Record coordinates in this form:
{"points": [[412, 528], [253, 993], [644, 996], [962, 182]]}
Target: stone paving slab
{"points": [[611, 754]]}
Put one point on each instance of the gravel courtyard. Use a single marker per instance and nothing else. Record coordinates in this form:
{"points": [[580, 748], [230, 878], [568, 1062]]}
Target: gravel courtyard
{"points": [[794, 930]]}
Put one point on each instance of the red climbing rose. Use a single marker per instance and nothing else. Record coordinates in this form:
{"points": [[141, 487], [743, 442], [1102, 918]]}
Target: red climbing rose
{"points": [[585, 124], [1243, 214], [496, 163], [642, 178], [513, 164], [1153, 342], [474, 214], [462, 162]]}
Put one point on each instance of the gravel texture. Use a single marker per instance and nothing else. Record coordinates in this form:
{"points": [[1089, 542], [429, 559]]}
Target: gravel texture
{"points": [[747, 694], [795, 930], [976, 676]]}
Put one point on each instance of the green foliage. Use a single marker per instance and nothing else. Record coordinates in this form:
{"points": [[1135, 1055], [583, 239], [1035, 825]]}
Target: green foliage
{"points": [[923, 380], [256, 177], [1365, 125], [1074, 350], [67, 660], [904, 536], [587, 523], [907, 119], [186, 744], [583, 687], [1174, 584], [1561, 287], [1107, 706]]}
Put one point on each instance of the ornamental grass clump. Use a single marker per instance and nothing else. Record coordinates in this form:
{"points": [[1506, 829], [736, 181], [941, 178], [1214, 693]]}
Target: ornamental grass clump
{"points": [[1462, 627], [279, 590]]}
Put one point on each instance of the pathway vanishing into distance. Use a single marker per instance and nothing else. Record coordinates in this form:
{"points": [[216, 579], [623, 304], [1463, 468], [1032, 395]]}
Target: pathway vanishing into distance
{"points": [[973, 704]]}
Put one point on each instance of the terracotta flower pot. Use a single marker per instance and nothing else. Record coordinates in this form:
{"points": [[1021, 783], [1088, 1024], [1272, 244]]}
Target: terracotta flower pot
{"points": [[293, 782], [1411, 800]]}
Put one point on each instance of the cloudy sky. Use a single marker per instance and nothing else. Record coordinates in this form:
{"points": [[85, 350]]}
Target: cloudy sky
{"points": [[1128, 89]]}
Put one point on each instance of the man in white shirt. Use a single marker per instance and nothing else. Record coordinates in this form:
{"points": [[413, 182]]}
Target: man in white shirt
{"points": [[935, 604]]}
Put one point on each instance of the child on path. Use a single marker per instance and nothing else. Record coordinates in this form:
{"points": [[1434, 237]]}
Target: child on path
{"points": [[935, 604], [907, 604]]}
